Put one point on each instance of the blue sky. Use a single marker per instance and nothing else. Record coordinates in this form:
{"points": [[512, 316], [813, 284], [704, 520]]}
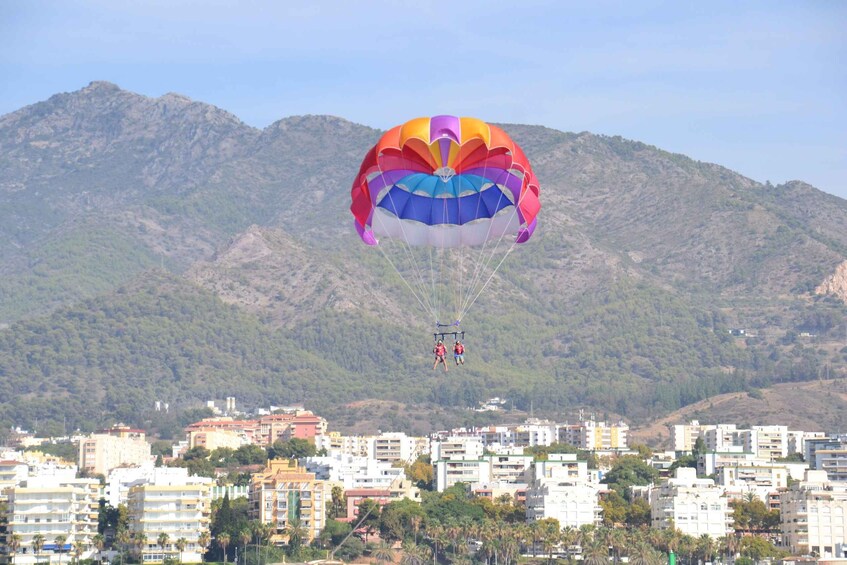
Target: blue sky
{"points": [[759, 87]]}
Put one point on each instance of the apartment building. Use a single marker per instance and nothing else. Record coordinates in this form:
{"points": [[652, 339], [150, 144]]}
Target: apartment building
{"points": [[694, 506], [353, 472], [813, 516], [58, 510], [179, 509], [767, 442], [561, 489], [759, 480], [285, 493], [457, 447], [595, 436], [833, 461], [398, 447], [300, 424], [118, 446], [213, 439]]}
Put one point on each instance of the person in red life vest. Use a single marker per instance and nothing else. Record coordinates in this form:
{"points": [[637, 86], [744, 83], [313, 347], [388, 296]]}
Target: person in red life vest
{"points": [[440, 354], [459, 352]]}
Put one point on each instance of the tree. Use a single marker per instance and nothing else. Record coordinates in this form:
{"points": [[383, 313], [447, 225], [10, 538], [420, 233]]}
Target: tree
{"points": [[141, 543], [223, 541], [295, 448], [203, 540], [627, 471], [197, 452], [163, 541], [14, 543], [397, 519], [79, 549], [181, 544], [414, 554], [338, 500], [60, 545], [99, 541], [37, 545], [369, 516], [296, 534], [383, 553], [420, 472]]}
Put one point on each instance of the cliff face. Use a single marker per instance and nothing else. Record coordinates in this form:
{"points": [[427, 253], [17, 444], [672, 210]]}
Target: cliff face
{"points": [[835, 284]]}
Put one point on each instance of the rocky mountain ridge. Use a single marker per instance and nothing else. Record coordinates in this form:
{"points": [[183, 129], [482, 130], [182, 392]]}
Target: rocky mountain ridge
{"points": [[644, 260]]}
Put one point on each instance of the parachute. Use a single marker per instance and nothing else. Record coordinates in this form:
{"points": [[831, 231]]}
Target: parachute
{"points": [[446, 200]]}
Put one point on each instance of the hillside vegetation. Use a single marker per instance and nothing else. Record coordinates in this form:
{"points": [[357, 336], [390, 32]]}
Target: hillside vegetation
{"points": [[160, 249]]}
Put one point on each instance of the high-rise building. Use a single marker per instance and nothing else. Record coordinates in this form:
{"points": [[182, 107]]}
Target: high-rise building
{"points": [[694, 506], [118, 446], [179, 509], [813, 516], [285, 494], [62, 511]]}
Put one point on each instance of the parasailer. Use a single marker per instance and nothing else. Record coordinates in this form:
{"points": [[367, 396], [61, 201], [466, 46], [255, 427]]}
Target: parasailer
{"points": [[446, 200]]}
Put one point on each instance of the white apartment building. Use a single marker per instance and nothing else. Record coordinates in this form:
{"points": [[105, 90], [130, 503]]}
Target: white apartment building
{"points": [[767, 442], [813, 514], [760, 480], [119, 446], [455, 447], [683, 436], [460, 469], [397, 446], [694, 506], [175, 508], [52, 509], [388, 446], [120, 480], [560, 489], [723, 438], [353, 472]]}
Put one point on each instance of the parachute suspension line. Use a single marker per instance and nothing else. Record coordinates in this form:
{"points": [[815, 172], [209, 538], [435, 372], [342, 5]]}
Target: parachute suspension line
{"points": [[416, 268], [402, 278], [477, 264], [491, 257], [419, 295], [491, 276], [480, 263]]}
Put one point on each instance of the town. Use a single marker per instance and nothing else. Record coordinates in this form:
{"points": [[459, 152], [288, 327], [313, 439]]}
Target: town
{"points": [[279, 485]]}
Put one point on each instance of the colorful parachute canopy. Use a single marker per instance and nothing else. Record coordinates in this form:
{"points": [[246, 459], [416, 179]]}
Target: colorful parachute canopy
{"points": [[445, 182]]}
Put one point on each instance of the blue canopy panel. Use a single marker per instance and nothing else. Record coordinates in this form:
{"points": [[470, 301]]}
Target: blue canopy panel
{"points": [[434, 186], [436, 211]]}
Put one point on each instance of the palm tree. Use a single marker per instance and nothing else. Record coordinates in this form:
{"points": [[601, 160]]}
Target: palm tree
{"points": [[60, 544], [99, 543], [414, 554], [383, 553], [337, 494], [244, 536], [37, 545], [596, 553], [79, 549], [163, 541], [14, 543], [296, 533], [223, 541], [203, 541], [643, 554], [140, 543], [181, 544]]}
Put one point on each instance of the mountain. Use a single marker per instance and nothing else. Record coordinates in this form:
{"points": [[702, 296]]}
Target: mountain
{"points": [[623, 302]]}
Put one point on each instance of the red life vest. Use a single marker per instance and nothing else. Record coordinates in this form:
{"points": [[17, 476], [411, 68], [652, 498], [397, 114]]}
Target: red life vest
{"points": [[459, 349], [440, 350]]}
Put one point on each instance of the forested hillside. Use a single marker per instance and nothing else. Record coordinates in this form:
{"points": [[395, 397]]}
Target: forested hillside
{"points": [[160, 249]]}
